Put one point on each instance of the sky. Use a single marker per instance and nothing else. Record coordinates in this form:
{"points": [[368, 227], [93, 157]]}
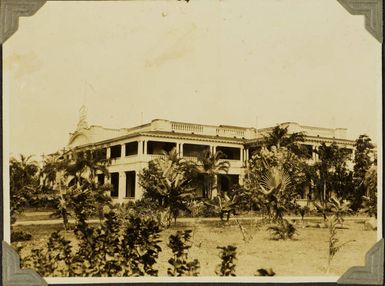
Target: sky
{"points": [[252, 63]]}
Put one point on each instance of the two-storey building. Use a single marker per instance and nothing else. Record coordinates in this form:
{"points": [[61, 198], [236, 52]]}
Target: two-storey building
{"points": [[130, 149]]}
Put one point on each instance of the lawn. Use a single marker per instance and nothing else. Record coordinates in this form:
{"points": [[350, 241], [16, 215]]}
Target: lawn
{"points": [[304, 256]]}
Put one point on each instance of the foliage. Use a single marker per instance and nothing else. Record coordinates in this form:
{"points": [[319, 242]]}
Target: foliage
{"points": [[364, 158], [168, 181], [302, 211], [271, 181], [68, 182], [369, 200], [334, 245], [228, 255], [116, 247], [279, 137], [265, 272], [180, 244], [282, 230], [23, 181], [223, 204], [334, 206], [20, 236], [210, 165], [332, 176], [53, 260], [339, 208]]}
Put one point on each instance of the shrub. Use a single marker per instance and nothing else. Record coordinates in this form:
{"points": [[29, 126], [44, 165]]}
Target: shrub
{"points": [[53, 260], [265, 272], [180, 245], [116, 247], [228, 256], [283, 230], [334, 247], [20, 236]]}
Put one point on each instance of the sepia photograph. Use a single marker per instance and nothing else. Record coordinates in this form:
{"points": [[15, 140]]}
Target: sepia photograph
{"points": [[192, 141]]}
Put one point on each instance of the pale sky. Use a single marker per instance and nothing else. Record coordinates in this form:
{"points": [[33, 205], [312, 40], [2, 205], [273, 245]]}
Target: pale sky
{"points": [[210, 62]]}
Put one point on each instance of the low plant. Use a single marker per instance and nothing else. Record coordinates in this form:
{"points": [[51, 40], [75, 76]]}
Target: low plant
{"points": [[334, 245], [116, 247], [302, 211], [20, 236], [180, 245], [228, 255], [265, 272], [282, 230], [56, 259], [369, 205]]}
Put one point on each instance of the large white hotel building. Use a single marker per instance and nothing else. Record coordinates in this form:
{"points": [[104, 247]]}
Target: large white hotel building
{"points": [[130, 149]]}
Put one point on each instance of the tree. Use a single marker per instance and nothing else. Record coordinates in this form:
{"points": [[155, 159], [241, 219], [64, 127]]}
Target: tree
{"points": [[369, 200], [332, 174], [271, 181], [363, 160], [68, 180], [53, 187], [168, 180], [23, 181], [279, 137], [210, 165]]}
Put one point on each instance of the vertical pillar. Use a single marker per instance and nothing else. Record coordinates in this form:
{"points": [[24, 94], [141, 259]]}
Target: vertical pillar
{"points": [[123, 151], [242, 154], [140, 149], [122, 186], [108, 149], [314, 153], [180, 149]]}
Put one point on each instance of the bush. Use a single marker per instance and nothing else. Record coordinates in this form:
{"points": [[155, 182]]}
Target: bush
{"points": [[20, 236], [228, 256], [117, 247], [180, 245], [283, 230]]}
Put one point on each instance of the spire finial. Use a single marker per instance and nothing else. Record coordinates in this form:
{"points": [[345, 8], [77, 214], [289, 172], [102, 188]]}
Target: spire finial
{"points": [[82, 118]]}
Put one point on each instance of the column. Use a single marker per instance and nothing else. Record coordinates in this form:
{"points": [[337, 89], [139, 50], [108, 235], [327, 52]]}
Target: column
{"points": [[123, 151], [180, 149], [138, 188], [242, 154], [108, 151], [122, 186], [140, 149]]}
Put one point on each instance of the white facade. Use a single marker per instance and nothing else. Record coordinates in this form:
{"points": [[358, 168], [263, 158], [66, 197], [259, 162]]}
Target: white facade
{"points": [[132, 148]]}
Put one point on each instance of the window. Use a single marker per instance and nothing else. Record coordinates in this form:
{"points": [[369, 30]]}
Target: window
{"points": [[130, 184], [115, 184], [101, 179], [157, 148], [231, 153], [194, 150], [116, 151], [131, 148]]}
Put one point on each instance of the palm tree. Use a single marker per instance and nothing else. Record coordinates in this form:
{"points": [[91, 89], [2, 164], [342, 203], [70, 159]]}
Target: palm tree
{"points": [[210, 165], [54, 177], [279, 137], [23, 183]]}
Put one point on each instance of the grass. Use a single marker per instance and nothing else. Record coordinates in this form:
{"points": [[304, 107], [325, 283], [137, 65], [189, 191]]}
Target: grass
{"points": [[307, 255]]}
